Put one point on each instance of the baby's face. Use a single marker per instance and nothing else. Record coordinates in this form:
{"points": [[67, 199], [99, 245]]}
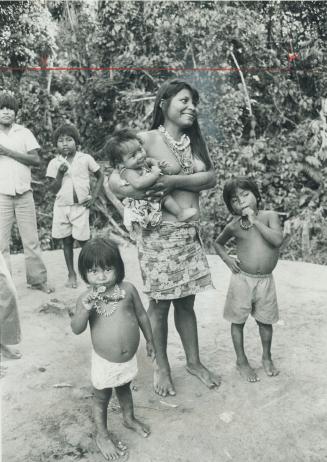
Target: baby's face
{"points": [[98, 276], [242, 199], [134, 155]]}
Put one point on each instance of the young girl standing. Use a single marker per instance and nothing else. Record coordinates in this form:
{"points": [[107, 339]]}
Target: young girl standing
{"points": [[115, 312]]}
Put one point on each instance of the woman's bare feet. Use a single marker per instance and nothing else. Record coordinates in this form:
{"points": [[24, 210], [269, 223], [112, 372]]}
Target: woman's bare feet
{"points": [[269, 368], [137, 426], [108, 449], [42, 287], [247, 372], [202, 373], [162, 382]]}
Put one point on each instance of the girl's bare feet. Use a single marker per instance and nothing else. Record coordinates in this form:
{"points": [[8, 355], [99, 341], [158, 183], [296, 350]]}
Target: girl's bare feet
{"points": [[162, 382], [269, 368], [202, 373], [108, 449], [137, 426], [247, 372]]}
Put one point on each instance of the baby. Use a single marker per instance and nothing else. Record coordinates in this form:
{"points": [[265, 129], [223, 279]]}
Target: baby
{"points": [[127, 154], [114, 311]]}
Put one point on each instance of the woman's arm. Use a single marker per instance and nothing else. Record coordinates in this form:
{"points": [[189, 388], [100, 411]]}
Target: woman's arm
{"points": [[195, 182], [121, 190]]}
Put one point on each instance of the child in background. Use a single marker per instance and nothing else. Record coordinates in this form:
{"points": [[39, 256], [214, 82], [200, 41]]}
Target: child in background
{"points": [[115, 312], [252, 289], [127, 154], [70, 171]]}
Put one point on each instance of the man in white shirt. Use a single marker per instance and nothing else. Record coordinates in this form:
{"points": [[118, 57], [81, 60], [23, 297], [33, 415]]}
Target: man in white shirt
{"points": [[18, 153]]}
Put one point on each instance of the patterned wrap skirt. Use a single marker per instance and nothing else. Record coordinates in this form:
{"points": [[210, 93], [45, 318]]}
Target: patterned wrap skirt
{"points": [[172, 260]]}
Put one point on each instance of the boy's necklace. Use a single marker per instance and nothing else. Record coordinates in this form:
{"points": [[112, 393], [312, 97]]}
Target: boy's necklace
{"points": [[98, 299], [245, 224]]}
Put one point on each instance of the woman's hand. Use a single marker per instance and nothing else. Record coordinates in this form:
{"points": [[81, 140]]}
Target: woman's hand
{"points": [[164, 185]]}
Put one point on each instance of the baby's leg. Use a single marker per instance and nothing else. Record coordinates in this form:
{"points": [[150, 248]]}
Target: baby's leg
{"points": [[266, 331], [102, 438], [242, 362], [175, 209], [125, 399]]}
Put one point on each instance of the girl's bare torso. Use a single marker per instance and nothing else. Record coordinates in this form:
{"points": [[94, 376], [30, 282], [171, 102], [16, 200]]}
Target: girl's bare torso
{"points": [[116, 337]]}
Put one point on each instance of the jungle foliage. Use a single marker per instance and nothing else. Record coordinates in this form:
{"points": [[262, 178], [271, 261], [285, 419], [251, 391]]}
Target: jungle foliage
{"points": [[260, 68]]}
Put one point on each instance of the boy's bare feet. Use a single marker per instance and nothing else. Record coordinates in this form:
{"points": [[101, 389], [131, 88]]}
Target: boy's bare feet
{"points": [[10, 352], [162, 382], [137, 426], [71, 282], [247, 372], [43, 287], [269, 368], [108, 449], [202, 373]]}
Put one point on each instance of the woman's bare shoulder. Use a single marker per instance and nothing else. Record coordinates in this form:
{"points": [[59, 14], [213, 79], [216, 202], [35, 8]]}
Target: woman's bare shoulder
{"points": [[149, 137]]}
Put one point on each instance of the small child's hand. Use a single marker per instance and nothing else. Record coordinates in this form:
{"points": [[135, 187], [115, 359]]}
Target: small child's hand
{"points": [[249, 213], [156, 169], [164, 165], [233, 264], [150, 350]]}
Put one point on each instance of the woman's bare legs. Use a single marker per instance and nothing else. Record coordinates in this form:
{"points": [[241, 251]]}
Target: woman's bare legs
{"points": [[158, 315], [103, 440], [186, 325]]}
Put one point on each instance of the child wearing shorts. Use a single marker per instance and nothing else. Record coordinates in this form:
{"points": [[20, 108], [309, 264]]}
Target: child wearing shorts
{"points": [[70, 173], [258, 237]]}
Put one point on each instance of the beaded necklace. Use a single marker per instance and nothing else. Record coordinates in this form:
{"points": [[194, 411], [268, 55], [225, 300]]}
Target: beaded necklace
{"points": [[98, 299], [181, 150]]}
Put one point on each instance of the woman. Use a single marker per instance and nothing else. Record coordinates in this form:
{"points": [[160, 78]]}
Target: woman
{"points": [[172, 259]]}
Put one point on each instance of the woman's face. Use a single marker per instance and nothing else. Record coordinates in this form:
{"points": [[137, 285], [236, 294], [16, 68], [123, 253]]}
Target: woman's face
{"points": [[181, 110]]}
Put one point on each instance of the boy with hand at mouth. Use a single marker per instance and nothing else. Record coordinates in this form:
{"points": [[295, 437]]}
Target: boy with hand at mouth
{"points": [[252, 291]]}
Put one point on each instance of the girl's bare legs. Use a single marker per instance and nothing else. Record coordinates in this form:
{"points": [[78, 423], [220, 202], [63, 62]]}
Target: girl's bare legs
{"points": [[266, 332], [125, 399], [186, 325], [242, 362], [109, 450], [158, 315]]}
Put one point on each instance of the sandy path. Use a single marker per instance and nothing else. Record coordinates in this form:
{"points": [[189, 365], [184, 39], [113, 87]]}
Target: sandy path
{"points": [[277, 419]]}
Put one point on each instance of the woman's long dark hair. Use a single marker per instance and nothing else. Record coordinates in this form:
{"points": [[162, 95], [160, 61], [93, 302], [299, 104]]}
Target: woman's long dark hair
{"points": [[166, 92]]}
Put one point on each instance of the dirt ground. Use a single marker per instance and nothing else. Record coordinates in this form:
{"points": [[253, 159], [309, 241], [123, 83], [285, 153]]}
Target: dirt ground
{"points": [[46, 396]]}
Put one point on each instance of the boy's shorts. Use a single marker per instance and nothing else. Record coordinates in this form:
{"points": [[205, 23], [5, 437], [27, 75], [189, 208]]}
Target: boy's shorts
{"points": [[71, 220], [251, 294]]}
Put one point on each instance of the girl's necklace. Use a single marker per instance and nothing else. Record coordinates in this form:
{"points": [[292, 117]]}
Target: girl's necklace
{"points": [[100, 300], [245, 224], [181, 150]]}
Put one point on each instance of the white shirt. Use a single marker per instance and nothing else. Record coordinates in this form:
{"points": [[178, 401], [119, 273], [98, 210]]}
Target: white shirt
{"points": [[76, 177], [15, 177]]}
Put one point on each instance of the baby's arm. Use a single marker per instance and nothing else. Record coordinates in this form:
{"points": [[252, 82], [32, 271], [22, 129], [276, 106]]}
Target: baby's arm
{"points": [[271, 233], [142, 182], [81, 316], [219, 244], [143, 321]]}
